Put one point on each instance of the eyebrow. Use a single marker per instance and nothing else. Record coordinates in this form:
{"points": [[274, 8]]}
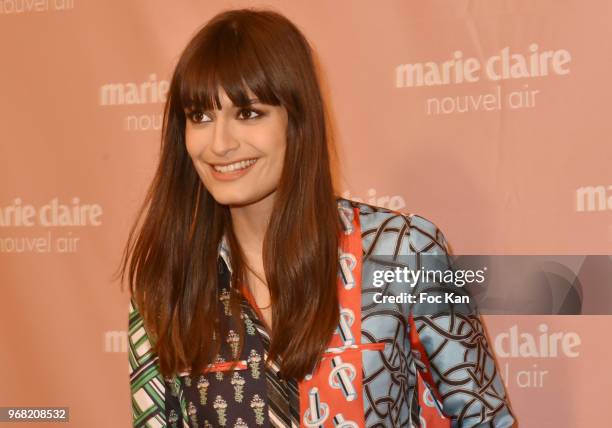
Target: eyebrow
{"points": [[249, 102]]}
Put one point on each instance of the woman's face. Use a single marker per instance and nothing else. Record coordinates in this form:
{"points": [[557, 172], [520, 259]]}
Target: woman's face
{"points": [[238, 152]]}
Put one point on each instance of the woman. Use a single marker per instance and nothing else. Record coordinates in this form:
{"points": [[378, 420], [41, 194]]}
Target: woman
{"points": [[251, 280]]}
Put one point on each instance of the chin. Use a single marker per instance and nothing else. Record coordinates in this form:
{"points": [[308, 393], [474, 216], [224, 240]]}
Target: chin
{"points": [[238, 198], [233, 199]]}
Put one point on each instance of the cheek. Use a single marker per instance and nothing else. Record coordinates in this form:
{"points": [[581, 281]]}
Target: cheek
{"points": [[281, 155], [278, 147], [275, 154], [193, 145]]}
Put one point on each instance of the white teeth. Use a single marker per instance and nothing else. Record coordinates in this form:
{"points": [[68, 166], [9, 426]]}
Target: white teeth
{"points": [[234, 166]]}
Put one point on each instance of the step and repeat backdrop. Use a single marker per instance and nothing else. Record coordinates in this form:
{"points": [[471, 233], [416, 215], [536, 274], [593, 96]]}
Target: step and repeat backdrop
{"points": [[490, 118]]}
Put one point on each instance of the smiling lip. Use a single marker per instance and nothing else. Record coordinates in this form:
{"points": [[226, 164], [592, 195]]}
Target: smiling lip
{"points": [[231, 170], [229, 163]]}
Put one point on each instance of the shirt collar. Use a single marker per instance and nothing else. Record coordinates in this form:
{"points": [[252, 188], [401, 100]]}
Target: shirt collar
{"points": [[224, 252]]}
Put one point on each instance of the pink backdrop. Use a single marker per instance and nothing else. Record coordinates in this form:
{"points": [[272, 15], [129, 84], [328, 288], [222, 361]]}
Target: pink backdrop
{"points": [[516, 165]]}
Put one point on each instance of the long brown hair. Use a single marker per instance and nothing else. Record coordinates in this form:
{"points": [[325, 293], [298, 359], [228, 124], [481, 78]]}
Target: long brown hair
{"points": [[172, 249]]}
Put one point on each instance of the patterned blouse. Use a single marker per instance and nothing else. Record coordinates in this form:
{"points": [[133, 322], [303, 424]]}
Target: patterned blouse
{"points": [[388, 365]]}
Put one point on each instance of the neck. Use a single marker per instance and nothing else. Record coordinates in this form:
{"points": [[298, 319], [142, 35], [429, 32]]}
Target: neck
{"points": [[250, 223]]}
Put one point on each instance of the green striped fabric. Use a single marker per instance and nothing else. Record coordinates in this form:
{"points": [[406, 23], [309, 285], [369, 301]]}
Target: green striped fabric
{"points": [[148, 388]]}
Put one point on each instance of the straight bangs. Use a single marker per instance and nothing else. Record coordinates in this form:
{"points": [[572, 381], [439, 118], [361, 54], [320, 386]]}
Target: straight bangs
{"points": [[226, 59]]}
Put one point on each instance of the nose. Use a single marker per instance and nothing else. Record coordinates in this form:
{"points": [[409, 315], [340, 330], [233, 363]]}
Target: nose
{"points": [[223, 140]]}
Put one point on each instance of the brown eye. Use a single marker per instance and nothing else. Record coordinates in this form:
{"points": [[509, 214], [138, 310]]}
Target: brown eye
{"points": [[247, 113], [198, 116]]}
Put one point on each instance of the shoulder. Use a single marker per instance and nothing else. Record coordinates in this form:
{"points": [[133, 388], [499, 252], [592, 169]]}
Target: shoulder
{"points": [[386, 231]]}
